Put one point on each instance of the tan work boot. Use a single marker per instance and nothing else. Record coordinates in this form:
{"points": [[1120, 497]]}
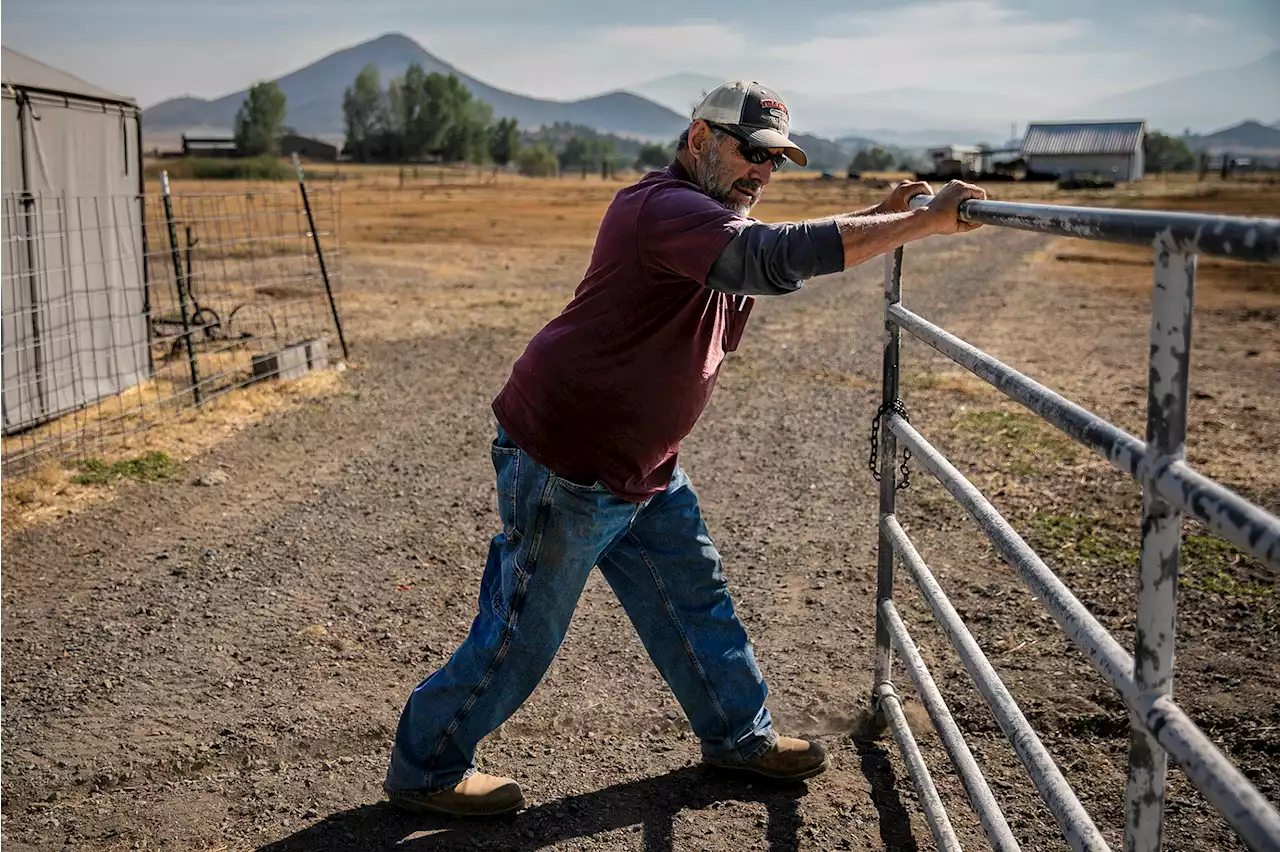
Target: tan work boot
{"points": [[790, 759], [476, 795]]}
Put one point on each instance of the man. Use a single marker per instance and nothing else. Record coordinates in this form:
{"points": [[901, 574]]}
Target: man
{"points": [[589, 424]]}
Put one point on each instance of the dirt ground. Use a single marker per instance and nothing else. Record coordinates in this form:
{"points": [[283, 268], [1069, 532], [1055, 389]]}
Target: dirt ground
{"points": [[221, 668]]}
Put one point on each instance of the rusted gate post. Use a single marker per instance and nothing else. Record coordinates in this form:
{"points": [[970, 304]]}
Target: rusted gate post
{"points": [[181, 279], [324, 272]]}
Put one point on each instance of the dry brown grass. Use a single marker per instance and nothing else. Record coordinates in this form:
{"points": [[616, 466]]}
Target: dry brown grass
{"points": [[48, 492], [1221, 284], [455, 239]]}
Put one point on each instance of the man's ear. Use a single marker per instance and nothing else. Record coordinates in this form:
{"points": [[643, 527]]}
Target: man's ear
{"points": [[699, 134]]}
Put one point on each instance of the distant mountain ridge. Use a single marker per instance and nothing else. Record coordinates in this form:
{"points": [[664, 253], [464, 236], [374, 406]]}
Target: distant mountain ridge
{"points": [[314, 98], [1200, 101], [914, 116], [657, 110], [1247, 137]]}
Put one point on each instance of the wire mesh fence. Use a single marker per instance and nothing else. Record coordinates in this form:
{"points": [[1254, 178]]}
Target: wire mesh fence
{"points": [[121, 313]]}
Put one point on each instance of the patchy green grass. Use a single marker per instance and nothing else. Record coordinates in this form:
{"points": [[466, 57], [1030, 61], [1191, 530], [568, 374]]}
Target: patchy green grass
{"points": [[1207, 563], [1083, 537], [1028, 446], [151, 467], [949, 380], [1210, 564]]}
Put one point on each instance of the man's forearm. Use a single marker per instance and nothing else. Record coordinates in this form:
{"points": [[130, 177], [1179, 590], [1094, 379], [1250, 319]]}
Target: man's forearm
{"points": [[866, 236], [873, 210]]}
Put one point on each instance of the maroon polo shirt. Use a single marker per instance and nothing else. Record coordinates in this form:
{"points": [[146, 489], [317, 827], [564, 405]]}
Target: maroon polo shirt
{"points": [[607, 389]]}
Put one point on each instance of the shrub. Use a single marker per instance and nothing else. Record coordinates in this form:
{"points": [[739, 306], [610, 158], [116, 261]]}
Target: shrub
{"points": [[217, 168], [537, 161]]}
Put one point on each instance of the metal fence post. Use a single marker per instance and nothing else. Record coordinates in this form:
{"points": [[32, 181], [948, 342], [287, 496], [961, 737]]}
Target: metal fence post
{"points": [[32, 222], [888, 448], [182, 286], [1167, 387], [324, 272]]}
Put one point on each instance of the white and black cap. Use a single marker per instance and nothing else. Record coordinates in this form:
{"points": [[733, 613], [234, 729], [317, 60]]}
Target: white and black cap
{"points": [[754, 113]]}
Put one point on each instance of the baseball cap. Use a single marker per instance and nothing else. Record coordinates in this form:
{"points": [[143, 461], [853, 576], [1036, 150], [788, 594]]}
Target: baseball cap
{"points": [[756, 112]]}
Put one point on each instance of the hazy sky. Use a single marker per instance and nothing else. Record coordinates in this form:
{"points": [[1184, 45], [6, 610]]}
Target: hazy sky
{"points": [[1072, 51]]}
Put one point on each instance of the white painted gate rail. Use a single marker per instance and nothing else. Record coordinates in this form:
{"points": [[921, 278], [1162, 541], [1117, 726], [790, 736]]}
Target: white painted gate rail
{"points": [[1159, 728]]}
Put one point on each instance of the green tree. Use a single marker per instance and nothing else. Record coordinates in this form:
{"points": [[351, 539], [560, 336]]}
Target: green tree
{"points": [[1165, 153], [391, 135], [423, 115], [260, 120], [395, 117], [653, 156], [537, 160], [436, 115], [575, 153], [599, 151], [466, 134], [364, 111], [875, 159], [504, 141], [415, 128]]}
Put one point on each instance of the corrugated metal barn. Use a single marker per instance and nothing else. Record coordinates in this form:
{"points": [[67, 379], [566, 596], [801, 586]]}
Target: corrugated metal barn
{"points": [[74, 289], [1108, 149]]}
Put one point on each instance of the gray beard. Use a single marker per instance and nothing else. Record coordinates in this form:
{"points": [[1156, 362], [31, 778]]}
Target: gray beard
{"points": [[713, 185]]}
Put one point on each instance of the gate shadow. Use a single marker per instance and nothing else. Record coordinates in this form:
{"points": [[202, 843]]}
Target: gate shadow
{"points": [[895, 819], [651, 803]]}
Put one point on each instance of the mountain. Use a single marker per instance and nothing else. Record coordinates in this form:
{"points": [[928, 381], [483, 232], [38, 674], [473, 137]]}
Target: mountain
{"points": [[314, 96], [908, 116], [921, 117], [680, 91], [1198, 101], [917, 116], [824, 155], [1247, 137]]}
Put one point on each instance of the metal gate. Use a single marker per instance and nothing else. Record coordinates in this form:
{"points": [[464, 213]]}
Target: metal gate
{"points": [[1159, 729]]}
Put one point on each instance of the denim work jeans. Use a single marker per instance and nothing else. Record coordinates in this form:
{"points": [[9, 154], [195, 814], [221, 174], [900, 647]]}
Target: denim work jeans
{"points": [[662, 565]]}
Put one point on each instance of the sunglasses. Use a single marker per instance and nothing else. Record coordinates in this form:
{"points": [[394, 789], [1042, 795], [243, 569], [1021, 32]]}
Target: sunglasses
{"points": [[753, 153]]}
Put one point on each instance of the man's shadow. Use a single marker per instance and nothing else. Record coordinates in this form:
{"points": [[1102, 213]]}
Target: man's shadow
{"points": [[651, 803]]}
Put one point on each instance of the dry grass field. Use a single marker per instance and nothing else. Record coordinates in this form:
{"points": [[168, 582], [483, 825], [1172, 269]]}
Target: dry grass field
{"points": [[221, 667]]}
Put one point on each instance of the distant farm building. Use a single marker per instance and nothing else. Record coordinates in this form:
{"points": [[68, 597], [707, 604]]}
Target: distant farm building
{"points": [[956, 161], [74, 321], [1106, 149], [209, 146], [308, 148], [225, 146]]}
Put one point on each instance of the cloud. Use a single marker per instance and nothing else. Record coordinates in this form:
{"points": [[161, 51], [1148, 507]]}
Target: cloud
{"points": [[940, 45], [977, 45], [1174, 21], [571, 63], [1038, 50]]}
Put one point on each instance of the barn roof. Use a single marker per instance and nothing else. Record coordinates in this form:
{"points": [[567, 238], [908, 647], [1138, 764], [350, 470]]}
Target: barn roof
{"points": [[21, 71], [1082, 137]]}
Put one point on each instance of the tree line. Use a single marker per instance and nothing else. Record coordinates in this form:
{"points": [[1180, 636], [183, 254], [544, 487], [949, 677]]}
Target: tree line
{"points": [[421, 116], [434, 116]]}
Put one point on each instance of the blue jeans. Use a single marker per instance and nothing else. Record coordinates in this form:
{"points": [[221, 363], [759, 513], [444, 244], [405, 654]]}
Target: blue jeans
{"points": [[660, 561]]}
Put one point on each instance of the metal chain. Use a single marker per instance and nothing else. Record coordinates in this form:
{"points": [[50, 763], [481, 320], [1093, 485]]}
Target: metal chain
{"points": [[894, 407]]}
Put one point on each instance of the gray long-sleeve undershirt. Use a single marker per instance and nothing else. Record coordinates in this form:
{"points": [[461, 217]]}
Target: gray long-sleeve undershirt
{"points": [[773, 260]]}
